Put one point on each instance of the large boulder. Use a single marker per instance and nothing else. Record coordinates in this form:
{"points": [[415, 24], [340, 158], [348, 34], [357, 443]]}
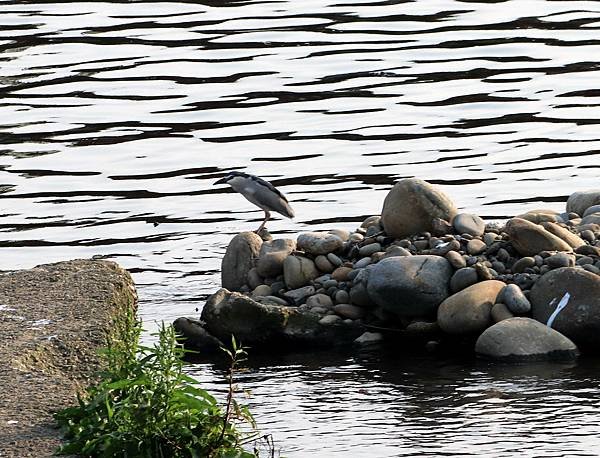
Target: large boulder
{"points": [[580, 201], [410, 286], [252, 323], [196, 336], [317, 243], [529, 238], [468, 312], [519, 339], [239, 259], [411, 206], [298, 271], [271, 256], [579, 320]]}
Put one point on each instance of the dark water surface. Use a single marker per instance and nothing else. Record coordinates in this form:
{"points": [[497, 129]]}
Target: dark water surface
{"points": [[115, 116]]}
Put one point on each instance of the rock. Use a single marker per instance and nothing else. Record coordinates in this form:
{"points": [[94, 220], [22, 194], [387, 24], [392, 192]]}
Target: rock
{"points": [[440, 226], [368, 250], [476, 246], [369, 338], [468, 311], [341, 233], [580, 201], [560, 260], [456, 259], [299, 295], [195, 336], [588, 250], [395, 250], [342, 297], [463, 278], [521, 339], [328, 320], [349, 311], [410, 207], [362, 263], [253, 279], [422, 329], [522, 264], [333, 259], [341, 273], [539, 216], [592, 218], [590, 210], [564, 234], [316, 243], [529, 238], [319, 300], [271, 256], [411, 286], [579, 320], [323, 264], [264, 325], [261, 290], [298, 271], [359, 294], [239, 259], [514, 299], [500, 312], [466, 223]]}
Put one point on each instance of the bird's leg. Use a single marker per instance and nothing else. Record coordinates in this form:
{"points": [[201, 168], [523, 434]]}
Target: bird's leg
{"points": [[260, 228]]}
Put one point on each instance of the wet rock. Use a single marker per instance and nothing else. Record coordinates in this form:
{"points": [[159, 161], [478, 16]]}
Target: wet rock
{"points": [[410, 286], [579, 320], [580, 201], [369, 338], [317, 243], [468, 311], [466, 223], [512, 296], [500, 312], [349, 311], [271, 256], [298, 271], [564, 234], [519, 339], [410, 207], [463, 278], [529, 238], [195, 336], [239, 259]]}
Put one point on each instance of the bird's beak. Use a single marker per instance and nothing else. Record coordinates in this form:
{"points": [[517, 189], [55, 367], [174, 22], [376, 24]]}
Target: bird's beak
{"points": [[221, 181]]}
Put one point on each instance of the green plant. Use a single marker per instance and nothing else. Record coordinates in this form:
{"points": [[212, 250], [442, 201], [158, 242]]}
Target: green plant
{"points": [[146, 406]]}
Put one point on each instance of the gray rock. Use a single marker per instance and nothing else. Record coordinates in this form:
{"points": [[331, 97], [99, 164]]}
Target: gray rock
{"points": [[349, 311], [529, 238], [410, 286], [469, 311], [592, 209], [261, 290], [319, 300], [519, 339], [299, 295], [271, 256], [560, 260], [500, 312], [522, 264], [341, 273], [334, 259], [463, 278], [329, 320], [514, 299], [362, 263], [298, 271], [368, 250], [410, 207], [195, 336], [592, 218], [466, 223], [317, 243], [342, 297], [359, 294], [341, 233], [395, 250], [579, 320], [239, 259], [323, 264], [580, 201], [369, 338], [253, 279]]}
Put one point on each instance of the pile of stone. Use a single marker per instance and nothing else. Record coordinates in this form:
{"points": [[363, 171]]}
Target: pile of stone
{"points": [[529, 288]]}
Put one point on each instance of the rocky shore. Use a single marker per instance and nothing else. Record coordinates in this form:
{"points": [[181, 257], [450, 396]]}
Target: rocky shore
{"points": [[53, 320], [527, 288]]}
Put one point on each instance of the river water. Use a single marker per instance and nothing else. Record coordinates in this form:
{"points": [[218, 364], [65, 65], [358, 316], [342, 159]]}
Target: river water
{"points": [[117, 117]]}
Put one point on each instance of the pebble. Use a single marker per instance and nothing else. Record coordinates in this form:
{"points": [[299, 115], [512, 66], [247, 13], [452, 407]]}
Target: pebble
{"points": [[277, 286], [559, 260], [498, 267], [319, 310], [523, 264], [334, 259], [352, 275], [587, 235], [342, 297], [463, 278], [361, 263], [514, 299], [502, 255], [368, 338], [374, 220], [583, 260], [349, 311], [254, 279], [261, 290], [341, 273], [330, 319], [592, 268], [323, 264], [456, 259], [466, 223], [299, 295], [489, 238], [319, 300], [356, 237], [484, 272], [476, 246], [395, 250], [275, 300], [329, 283]]}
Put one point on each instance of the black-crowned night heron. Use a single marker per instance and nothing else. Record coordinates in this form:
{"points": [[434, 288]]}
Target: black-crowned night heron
{"points": [[260, 192]]}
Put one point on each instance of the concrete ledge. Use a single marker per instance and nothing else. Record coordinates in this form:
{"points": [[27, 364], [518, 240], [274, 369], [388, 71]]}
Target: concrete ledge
{"points": [[53, 319]]}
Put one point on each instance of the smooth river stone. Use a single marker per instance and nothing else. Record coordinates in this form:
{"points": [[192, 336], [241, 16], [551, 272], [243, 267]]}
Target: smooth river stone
{"points": [[529, 238], [317, 243], [467, 223], [239, 259]]}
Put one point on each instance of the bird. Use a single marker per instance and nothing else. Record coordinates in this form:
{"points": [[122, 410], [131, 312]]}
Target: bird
{"points": [[260, 192]]}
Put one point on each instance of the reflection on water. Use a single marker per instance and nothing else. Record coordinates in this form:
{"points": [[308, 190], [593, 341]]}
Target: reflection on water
{"points": [[117, 117]]}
